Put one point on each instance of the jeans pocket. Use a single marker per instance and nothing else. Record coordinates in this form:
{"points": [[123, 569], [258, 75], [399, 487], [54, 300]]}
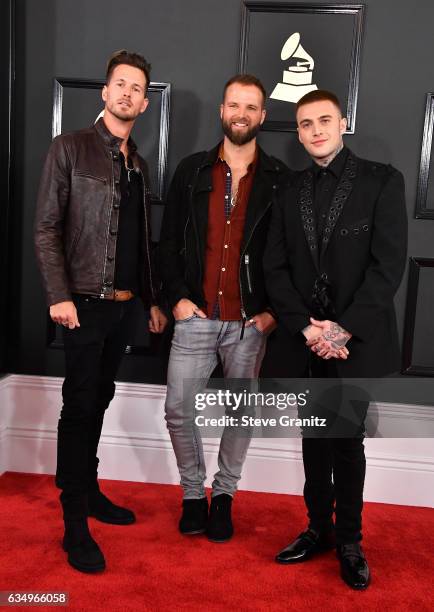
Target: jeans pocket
{"points": [[193, 316], [258, 331]]}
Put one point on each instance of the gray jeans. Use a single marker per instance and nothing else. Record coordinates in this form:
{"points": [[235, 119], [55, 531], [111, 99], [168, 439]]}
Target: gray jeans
{"points": [[197, 343]]}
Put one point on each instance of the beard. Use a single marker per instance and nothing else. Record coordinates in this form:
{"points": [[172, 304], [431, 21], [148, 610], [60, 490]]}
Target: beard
{"points": [[239, 137]]}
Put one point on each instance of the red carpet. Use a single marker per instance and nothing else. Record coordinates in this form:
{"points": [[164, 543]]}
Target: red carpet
{"points": [[150, 566]]}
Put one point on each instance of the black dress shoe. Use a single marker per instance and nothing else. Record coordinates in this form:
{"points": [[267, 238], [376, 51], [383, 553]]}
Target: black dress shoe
{"points": [[194, 516], [354, 567], [306, 545], [84, 553], [220, 528], [101, 508]]}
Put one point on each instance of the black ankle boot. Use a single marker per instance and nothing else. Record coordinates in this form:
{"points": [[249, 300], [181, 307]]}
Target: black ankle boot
{"points": [[101, 508], [194, 516], [220, 528], [84, 553]]}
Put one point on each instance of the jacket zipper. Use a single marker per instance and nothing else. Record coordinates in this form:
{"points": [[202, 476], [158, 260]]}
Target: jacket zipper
{"points": [[185, 237], [193, 184], [147, 236], [249, 280], [243, 311]]}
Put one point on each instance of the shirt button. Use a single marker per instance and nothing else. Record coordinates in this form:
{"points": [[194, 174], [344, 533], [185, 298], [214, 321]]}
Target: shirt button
{"points": [[228, 222], [226, 246], [223, 269], [220, 292], [228, 173], [226, 197]]}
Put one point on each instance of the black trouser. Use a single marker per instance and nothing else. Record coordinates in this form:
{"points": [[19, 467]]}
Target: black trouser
{"points": [[93, 353], [335, 466], [342, 459]]}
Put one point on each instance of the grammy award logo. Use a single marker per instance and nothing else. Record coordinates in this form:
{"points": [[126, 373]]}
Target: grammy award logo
{"points": [[297, 80]]}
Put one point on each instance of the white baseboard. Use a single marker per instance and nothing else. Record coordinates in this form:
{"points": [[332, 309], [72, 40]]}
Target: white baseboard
{"points": [[135, 444]]}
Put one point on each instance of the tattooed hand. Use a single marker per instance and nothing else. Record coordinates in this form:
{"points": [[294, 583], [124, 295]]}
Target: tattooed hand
{"points": [[313, 335], [331, 342]]}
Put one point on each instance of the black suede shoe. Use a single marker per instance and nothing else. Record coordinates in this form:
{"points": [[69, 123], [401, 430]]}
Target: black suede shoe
{"points": [[220, 528], [194, 516], [354, 567], [84, 554], [101, 508], [306, 545]]}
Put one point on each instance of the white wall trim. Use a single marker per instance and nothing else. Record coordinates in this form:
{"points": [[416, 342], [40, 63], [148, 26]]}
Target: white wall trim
{"points": [[135, 444]]}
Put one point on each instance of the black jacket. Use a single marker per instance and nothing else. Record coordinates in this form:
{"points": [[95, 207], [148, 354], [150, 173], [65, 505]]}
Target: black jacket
{"points": [[78, 212], [184, 230], [363, 255]]}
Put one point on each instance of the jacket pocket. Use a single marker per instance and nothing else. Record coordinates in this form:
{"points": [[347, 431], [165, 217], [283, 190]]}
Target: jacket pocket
{"points": [[73, 244], [355, 229], [88, 175]]}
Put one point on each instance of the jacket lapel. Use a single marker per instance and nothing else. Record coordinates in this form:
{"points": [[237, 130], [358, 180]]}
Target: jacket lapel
{"points": [[307, 213], [341, 195]]}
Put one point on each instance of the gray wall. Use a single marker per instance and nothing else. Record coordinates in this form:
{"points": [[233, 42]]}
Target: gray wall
{"points": [[194, 45]]}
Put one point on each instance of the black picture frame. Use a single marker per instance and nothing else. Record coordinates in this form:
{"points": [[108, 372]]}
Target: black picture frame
{"points": [[353, 13], [7, 170], [416, 265], [162, 89], [426, 158]]}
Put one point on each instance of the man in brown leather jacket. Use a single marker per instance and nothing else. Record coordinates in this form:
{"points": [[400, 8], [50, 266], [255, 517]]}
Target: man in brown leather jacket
{"points": [[93, 248]]}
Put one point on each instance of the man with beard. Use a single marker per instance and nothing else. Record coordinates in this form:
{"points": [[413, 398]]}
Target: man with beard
{"points": [[93, 247], [212, 243]]}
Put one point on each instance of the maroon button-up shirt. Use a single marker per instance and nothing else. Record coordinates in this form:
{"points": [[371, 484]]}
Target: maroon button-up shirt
{"points": [[221, 285]]}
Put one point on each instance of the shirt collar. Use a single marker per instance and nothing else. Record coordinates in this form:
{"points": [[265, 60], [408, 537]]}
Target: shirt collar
{"points": [[221, 157], [335, 167], [110, 139]]}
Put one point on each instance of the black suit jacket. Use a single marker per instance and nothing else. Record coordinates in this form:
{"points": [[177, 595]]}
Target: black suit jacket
{"points": [[362, 254]]}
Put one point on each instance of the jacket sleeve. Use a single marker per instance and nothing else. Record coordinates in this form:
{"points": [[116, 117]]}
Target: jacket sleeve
{"points": [[285, 299], [52, 203], [171, 246], [387, 261]]}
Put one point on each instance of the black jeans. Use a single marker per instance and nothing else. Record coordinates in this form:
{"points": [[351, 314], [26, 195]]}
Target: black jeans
{"points": [[93, 353], [335, 467]]}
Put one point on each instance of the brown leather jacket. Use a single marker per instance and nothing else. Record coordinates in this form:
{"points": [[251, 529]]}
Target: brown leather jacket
{"points": [[78, 213]]}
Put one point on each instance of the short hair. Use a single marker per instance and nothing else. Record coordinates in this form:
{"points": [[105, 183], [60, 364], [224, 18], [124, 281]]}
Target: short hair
{"points": [[130, 59], [318, 95], [246, 79]]}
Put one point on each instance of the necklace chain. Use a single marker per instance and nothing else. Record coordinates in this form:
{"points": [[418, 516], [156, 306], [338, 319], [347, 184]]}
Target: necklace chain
{"points": [[128, 169]]}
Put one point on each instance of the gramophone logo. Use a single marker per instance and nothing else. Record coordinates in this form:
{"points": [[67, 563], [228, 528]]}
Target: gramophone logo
{"points": [[297, 80]]}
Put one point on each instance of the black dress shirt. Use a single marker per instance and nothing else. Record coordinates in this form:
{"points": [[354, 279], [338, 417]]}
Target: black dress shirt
{"points": [[129, 230], [325, 182]]}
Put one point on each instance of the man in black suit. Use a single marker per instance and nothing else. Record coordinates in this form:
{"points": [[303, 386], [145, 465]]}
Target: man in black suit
{"points": [[335, 257]]}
